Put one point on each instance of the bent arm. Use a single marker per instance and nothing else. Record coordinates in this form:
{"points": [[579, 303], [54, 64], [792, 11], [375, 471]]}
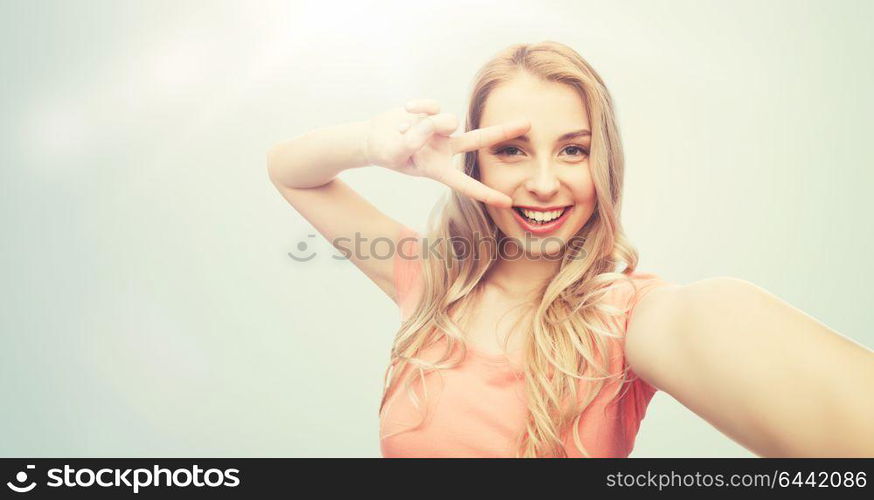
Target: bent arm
{"points": [[767, 375], [304, 170]]}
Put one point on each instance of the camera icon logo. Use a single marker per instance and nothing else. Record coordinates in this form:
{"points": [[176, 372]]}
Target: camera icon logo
{"points": [[20, 478]]}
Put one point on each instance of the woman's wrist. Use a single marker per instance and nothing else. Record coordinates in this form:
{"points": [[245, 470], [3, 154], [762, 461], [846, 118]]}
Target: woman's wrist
{"points": [[316, 157]]}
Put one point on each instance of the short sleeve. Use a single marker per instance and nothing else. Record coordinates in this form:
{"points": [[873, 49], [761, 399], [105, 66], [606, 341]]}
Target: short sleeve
{"points": [[645, 283], [408, 271]]}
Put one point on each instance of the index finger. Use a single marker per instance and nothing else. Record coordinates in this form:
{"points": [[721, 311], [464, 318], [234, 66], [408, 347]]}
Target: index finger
{"points": [[483, 137]]}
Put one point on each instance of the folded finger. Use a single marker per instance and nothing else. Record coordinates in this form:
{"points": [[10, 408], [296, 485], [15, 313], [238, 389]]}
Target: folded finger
{"points": [[444, 123], [411, 120], [418, 134], [427, 106]]}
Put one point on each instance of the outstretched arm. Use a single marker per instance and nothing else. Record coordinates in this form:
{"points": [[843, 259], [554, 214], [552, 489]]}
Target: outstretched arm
{"points": [[767, 375]]}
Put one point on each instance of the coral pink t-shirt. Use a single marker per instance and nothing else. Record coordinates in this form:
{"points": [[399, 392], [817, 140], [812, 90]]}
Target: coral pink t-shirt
{"points": [[478, 408]]}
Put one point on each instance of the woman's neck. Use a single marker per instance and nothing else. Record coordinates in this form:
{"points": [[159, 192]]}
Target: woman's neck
{"points": [[523, 276]]}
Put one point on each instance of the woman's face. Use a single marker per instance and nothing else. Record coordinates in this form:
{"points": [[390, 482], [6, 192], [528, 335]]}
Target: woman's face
{"points": [[545, 172]]}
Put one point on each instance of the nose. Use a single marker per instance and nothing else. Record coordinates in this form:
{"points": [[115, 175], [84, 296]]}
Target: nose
{"points": [[543, 183]]}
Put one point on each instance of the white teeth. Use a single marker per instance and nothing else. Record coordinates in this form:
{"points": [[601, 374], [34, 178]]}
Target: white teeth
{"points": [[542, 216]]}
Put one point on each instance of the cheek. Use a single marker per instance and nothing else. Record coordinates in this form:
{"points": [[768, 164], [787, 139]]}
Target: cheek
{"points": [[499, 179], [584, 187], [488, 175]]}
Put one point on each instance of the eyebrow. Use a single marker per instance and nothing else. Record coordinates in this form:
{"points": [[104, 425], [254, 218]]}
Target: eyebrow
{"points": [[570, 135]]}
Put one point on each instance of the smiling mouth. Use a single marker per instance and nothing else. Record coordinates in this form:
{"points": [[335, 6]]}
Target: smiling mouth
{"points": [[541, 217]]}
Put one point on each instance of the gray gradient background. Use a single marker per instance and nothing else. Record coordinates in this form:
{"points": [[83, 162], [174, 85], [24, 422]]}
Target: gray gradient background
{"points": [[148, 306]]}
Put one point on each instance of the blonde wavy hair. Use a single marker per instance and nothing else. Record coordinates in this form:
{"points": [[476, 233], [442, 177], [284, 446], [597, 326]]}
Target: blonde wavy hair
{"points": [[569, 322]]}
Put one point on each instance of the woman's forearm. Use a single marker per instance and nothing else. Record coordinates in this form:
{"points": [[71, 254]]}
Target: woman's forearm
{"points": [[772, 377], [316, 157]]}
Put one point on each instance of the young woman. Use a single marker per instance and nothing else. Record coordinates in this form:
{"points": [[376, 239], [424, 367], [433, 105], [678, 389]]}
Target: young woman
{"points": [[526, 328]]}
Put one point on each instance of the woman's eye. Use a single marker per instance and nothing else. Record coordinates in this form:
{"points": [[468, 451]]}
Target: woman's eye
{"points": [[504, 151], [514, 151], [580, 151]]}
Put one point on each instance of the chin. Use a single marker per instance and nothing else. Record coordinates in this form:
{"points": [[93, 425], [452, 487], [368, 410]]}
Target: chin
{"points": [[533, 246]]}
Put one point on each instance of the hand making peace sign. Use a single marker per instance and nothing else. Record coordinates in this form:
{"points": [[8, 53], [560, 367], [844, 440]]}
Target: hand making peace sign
{"points": [[416, 140]]}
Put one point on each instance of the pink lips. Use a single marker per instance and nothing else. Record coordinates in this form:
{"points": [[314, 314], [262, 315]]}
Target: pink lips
{"points": [[540, 229]]}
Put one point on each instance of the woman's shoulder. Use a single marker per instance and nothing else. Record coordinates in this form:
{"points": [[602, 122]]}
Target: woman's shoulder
{"points": [[634, 285], [634, 288]]}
